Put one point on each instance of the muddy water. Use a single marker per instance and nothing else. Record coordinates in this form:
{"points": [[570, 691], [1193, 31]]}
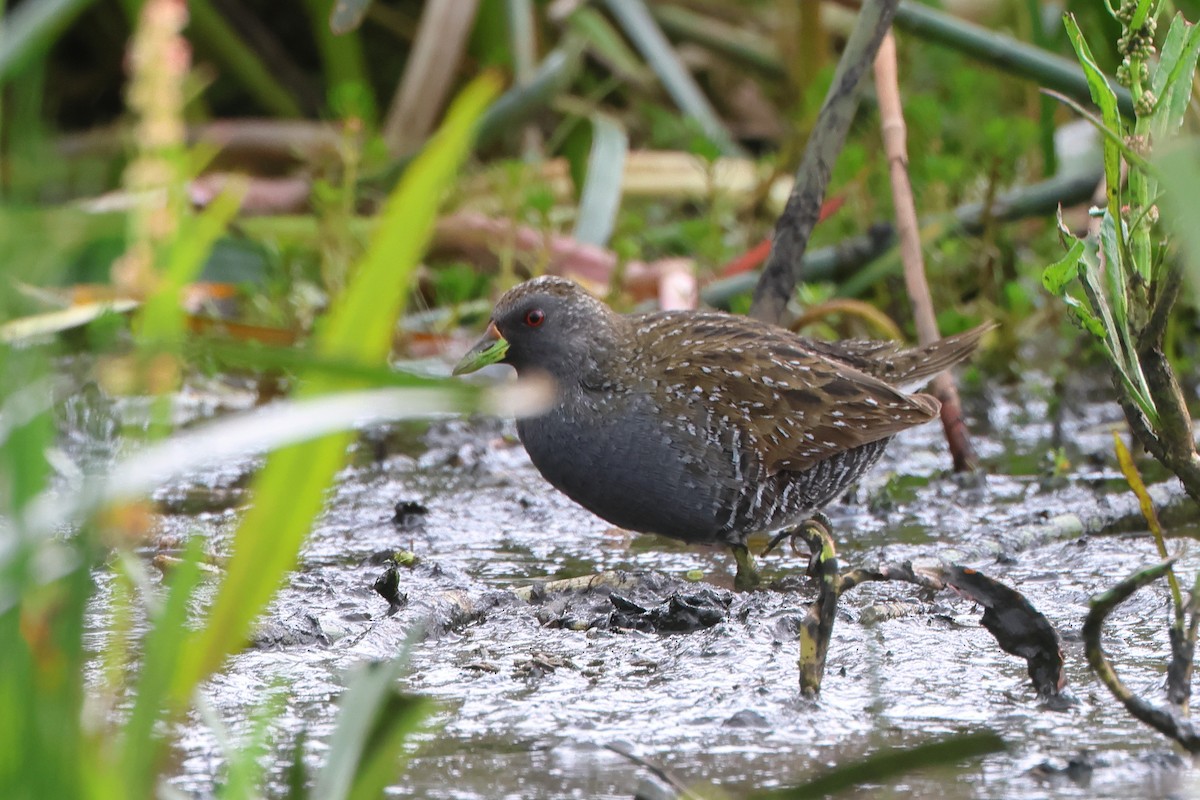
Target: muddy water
{"points": [[529, 703]]}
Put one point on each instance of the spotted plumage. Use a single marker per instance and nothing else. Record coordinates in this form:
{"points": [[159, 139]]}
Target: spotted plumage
{"points": [[703, 426]]}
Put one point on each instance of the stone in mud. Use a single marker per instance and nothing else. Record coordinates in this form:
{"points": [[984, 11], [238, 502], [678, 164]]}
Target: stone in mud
{"points": [[387, 586], [300, 629], [747, 719], [409, 514], [681, 612]]}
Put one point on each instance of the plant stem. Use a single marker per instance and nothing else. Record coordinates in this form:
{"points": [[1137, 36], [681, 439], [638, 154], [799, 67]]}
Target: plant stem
{"points": [[891, 113]]}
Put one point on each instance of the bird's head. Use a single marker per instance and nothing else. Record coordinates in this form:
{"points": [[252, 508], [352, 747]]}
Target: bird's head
{"points": [[549, 324]]}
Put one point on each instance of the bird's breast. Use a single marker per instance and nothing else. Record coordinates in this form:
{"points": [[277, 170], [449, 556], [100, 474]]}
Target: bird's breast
{"points": [[629, 461]]}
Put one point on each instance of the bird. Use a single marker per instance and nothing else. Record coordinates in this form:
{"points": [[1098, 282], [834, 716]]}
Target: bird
{"points": [[703, 426]]}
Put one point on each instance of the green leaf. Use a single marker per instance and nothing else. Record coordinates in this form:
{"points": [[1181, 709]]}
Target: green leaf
{"points": [[289, 492], [635, 19], [1109, 135], [1114, 278], [1172, 80], [32, 28], [521, 22], [1058, 276], [373, 725], [1181, 168], [212, 31], [1169, 53], [552, 76], [607, 45], [1089, 275], [344, 65], [1086, 319], [601, 195], [1106, 100]]}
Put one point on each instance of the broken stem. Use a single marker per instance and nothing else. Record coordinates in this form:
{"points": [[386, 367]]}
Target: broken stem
{"points": [[817, 627], [891, 113]]}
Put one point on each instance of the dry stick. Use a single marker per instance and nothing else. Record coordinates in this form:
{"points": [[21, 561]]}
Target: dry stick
{"points": [[441, 37], [1175, 422], [891, 113], [795, 224]]}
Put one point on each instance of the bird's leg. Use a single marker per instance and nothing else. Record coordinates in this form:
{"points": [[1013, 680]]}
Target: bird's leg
{"points": [[747, 573], [797, 532], [816, 532]]}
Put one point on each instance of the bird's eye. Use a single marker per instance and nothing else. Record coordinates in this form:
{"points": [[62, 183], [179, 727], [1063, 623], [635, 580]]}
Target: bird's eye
{"points": [[535, 317]]}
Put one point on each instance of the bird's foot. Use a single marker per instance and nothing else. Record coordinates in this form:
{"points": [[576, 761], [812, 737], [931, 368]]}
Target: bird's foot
{"points": [[818, 523], [747, 578]]}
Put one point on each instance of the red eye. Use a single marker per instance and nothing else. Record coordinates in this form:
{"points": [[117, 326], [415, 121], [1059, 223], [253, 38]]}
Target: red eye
{"points": [[535, 317]]}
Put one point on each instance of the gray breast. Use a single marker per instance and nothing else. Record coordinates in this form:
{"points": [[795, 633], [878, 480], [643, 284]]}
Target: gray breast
{"points": [[621, 459], [692, 476]]}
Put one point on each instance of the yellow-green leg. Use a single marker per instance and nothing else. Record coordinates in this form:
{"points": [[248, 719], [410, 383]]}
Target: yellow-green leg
{"points": [[747, 573]]}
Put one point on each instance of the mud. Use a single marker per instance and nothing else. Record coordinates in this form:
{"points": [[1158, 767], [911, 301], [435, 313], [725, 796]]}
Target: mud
{"points": [[682, 671]]}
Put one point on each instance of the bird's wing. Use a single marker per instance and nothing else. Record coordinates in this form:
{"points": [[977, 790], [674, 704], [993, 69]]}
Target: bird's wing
{"points": [[796, 406]]}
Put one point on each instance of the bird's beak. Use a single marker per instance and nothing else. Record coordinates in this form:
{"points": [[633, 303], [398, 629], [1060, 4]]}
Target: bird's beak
{"points": [[488, 350]]}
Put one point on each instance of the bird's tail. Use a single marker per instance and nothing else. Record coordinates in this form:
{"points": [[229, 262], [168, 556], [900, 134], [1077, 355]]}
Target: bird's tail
{"points": [[909, 369], [905, 368]]}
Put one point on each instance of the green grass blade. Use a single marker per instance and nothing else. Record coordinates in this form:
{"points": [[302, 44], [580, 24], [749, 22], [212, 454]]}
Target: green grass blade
{"points": [[141, 748], [607, 44], [1180, 164], [1173, 78], [372, 726], [1106, 100], [289, 491], [601, 197], [30, 29], [212, 33], [552, 76], [162, 318], [521, 24], [882, 767], [361, 321], [347, 83], [639, 25], [1111, 137]]}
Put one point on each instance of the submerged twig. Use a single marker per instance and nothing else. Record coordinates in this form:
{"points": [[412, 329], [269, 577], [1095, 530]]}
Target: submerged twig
{"points": [[881, 766], [583, 583], [1166, 721], [658, 771], [1134, 479], [1183, 642], [1012, 620], [816, 629]]}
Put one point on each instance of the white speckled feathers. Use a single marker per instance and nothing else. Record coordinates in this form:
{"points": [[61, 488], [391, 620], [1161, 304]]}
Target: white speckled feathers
{"points": [[704, 426], [796, 406]]}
